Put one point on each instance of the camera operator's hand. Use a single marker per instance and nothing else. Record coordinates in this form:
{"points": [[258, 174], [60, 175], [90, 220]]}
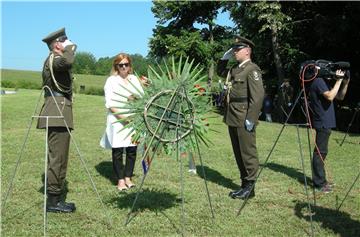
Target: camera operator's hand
{"points": [[339, 74], [228, 54]]}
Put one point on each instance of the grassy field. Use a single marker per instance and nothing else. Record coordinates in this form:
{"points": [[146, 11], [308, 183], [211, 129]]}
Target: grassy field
{"points": [[279, 208], [33, 79]]}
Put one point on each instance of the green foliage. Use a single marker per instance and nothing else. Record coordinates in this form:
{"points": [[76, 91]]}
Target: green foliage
{"points": [[85, 63], [173, 89], [176, 35], [279, 208]]}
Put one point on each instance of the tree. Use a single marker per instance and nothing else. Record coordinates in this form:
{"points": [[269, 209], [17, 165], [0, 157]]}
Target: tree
{"points": [[85, 63], [264, 22], [176, 35]]}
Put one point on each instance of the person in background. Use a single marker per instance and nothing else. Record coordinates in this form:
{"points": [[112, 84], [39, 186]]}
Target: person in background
{"points": [[57, 77], [244, 98], [120, 87]]}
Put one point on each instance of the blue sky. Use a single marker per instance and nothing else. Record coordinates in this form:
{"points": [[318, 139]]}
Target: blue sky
{"points": [[101, 28]]}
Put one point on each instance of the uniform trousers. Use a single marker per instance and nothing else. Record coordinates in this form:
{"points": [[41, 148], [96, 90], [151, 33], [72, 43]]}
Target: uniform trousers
{"points": [[244, 148], [120, 170], [322, 140], [59, 142]]}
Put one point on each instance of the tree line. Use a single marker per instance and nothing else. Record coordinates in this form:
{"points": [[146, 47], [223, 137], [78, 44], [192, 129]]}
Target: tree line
{"points": [[286, 33]]}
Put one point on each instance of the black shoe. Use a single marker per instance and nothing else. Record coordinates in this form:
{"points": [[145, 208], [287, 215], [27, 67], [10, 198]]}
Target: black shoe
{"points": [[235, 193], [55, 204], [245, 193], [60, 207], [243, 185], [70, 205]]}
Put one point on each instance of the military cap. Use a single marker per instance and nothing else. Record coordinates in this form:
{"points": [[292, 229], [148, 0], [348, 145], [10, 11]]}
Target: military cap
{"points": [[241, 42], [59, 35]]}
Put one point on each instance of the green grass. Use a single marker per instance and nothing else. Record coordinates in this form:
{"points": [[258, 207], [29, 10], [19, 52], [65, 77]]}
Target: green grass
{"points": [[279, 208], [33, 80]]}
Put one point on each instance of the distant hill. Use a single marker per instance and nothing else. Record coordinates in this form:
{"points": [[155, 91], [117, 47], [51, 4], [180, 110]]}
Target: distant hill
{"points": [[87, 84]]}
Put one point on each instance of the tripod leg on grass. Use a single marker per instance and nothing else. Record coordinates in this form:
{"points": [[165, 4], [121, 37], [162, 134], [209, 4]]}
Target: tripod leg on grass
{"points": [[357, 177], [348, 128], [305, 181]]}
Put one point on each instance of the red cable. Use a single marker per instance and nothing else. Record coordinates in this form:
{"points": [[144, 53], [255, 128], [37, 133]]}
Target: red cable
{"points": [[302, 79]]}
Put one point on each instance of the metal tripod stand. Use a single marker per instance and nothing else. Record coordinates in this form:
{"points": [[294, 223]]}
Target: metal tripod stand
{"points": [[350, 124], [301, 93], [171, 117], [60, 116]]}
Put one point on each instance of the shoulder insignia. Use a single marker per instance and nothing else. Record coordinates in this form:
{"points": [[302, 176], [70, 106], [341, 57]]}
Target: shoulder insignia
{"points": [[256, 75]]}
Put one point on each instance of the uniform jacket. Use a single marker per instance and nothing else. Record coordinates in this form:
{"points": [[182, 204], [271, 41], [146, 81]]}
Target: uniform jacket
{"points": [[61, 67], [245, 93]]}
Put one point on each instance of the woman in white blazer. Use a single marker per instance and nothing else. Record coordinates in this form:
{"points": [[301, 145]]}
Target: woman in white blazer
{"points": [[119, 87]]}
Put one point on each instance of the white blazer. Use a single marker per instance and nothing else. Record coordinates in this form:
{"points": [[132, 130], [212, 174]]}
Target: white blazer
{"points": [[112, 138]]}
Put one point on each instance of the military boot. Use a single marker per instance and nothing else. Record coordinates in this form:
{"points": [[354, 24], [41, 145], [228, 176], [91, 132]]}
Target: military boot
{"points": [[69, 204], [243, 184], [54, 204], [247, 192]]}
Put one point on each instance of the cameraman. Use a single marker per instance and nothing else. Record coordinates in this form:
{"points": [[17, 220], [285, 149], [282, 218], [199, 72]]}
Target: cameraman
{"points": [[321, 98]]}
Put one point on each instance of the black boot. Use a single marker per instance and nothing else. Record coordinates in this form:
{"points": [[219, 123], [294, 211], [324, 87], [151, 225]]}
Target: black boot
{"points": [[69, 204], [243, 185], [54, 204], [247, 192]]}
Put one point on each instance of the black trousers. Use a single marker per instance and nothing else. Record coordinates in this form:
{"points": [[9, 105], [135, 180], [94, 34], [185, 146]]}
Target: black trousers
{"points": [[322, 140], [59, 142], [120, 170], [244, 148]]}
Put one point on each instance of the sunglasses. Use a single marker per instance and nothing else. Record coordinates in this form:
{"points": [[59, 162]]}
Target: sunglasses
{"points": [[62, 39], [123, 64]]}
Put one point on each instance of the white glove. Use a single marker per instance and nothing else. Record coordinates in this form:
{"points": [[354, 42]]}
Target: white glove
{"points": [[228, 54], [67, 43]]}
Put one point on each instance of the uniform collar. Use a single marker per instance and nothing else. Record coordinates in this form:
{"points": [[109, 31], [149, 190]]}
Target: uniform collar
{"points": [[242, 63]]}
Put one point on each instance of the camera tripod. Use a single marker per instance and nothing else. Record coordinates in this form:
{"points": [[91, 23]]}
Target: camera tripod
{"points": [[347, 131], [47, 118], [307, 124], [351, 122]]}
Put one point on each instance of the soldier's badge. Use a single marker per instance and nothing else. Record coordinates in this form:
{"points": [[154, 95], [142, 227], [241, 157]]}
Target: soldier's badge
{"points": [[256, 76]]}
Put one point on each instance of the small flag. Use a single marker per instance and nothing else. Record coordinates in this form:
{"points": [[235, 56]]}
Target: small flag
{"points": [[146, 164]]}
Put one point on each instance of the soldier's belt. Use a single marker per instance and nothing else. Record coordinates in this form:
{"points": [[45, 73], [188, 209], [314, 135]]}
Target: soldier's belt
{"points": [[239, 99], [55, 93]]}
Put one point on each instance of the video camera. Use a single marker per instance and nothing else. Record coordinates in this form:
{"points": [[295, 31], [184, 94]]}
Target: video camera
{"points": [[322, 68]]}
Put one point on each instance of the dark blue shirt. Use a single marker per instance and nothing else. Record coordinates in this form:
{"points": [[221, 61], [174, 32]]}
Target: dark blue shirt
{"points": [[323, 109]]}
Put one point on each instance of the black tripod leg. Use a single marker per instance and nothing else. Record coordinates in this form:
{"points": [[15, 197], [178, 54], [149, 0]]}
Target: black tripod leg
{"points": [[305, 180], [348, 128], [310, 156], [203, 172], [349, 191]]}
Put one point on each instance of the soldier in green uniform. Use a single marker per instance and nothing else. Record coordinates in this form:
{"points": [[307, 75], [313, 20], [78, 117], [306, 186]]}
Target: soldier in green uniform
{"points": [[244, 98], [57, 77]]}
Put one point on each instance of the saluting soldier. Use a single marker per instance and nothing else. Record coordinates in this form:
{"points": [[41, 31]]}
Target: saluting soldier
{"points": [[244, 98], [57, 76]]}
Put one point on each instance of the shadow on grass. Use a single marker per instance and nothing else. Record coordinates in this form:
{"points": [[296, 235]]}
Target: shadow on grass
{"points": [[105, 168], [216, 177], [338, 221], [152, 200], [291, 172]]}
